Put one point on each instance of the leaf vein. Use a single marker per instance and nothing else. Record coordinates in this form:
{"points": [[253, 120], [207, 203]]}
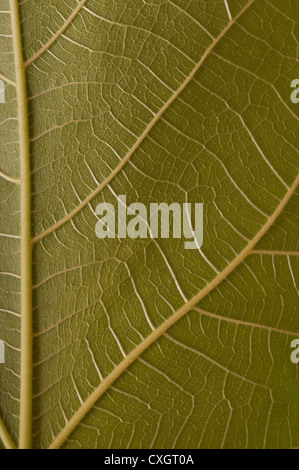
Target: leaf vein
{"points": [[161, 329], [56, 36], [144, 133]]}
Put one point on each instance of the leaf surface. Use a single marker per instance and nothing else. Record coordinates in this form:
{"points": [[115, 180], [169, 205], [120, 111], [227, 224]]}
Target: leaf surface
{"points": [[142, 343]]}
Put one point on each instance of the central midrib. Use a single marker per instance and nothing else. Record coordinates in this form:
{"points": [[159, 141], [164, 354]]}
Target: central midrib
{"points": [[25, 432]]}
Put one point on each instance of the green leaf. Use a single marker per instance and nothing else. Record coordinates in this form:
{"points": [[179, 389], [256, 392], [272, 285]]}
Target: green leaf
{"points": [[141, 343]]}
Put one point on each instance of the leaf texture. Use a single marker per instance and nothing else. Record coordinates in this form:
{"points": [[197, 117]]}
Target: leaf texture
{"points": [[142, 343]]}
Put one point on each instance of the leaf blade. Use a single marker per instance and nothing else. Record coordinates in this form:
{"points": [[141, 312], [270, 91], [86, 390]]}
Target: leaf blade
{"points": [[96, 87]]}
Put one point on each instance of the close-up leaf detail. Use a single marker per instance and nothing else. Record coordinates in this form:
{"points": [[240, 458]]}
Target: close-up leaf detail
{"points": [[122, 343]]}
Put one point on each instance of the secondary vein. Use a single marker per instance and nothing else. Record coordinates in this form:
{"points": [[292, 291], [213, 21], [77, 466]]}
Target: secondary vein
{"points": [[57, 35], [161, 329], [9, 178], [6, 437], [8, 80], [144, 134]]}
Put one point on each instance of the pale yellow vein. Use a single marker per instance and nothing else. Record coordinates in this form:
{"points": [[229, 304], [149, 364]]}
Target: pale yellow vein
{"points": [[57, 35], [161, 329], [143, 135]]}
